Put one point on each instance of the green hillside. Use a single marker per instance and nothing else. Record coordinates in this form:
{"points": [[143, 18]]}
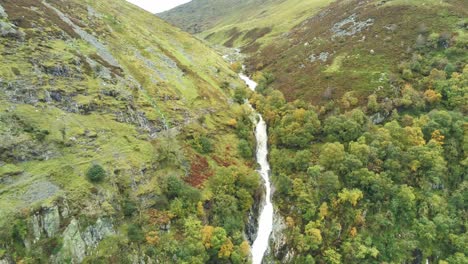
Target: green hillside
{"points": [[241, 23], [360, 51], [116, 135]]}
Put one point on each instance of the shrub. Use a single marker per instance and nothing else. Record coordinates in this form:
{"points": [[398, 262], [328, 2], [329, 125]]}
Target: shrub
{"points": [[244, 149], [96, 173], [135, 233], [203, 145], [240, 94], [129, 208]]}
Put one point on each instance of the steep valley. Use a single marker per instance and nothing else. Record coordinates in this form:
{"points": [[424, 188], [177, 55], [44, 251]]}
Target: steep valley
{"points": [[124, 139], [118, 139]]}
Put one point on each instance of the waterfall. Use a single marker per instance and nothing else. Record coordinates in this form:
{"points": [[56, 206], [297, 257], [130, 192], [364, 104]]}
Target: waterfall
{"points": [[265, 223]]}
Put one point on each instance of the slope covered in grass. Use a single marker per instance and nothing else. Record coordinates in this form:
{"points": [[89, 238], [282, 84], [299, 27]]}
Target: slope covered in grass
{"points": [[357, 46], [241, 23], [116, 133]]}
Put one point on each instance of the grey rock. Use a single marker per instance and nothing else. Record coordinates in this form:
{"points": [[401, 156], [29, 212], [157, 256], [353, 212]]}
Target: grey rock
{"points": [[36, 227], [102, 71], [7, 29], [101, 49], [39, 191], [324, 56], [3, 14], [97, 232], [51, 221], [278, 248], [378, 118], [7, 260], [350, 26], [77, 245], [312, 58], [93, 13], [73, 247]]}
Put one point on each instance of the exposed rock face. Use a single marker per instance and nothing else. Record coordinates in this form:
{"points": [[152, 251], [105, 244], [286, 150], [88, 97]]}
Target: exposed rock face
{"points": [[101, 49], [3, 14], [41, 190], [278, 249], [97, 232], [51, 221], [77, 244], [350, 26], [73, 245], [7, 29]]}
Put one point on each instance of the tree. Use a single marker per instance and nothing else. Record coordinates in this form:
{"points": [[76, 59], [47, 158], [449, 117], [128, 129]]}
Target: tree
{"points": [[135, 233], [244, 149], [351, 196], [331, 155], [332, 257], [240, 95], [96, 173]]}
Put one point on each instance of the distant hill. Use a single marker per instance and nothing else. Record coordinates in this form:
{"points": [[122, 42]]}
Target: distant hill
{"points": [[246, 23], [318, 49]]}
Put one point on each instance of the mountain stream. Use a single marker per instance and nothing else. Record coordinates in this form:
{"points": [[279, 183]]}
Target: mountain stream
{"points": [[265, 222]]}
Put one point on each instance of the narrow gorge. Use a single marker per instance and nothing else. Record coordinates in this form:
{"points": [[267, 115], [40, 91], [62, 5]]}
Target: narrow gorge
{"points": [[265, 221]]}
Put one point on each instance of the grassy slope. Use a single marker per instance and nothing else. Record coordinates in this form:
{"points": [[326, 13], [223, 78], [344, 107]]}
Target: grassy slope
{"points": [[249, 25], [100, 113], [362, 62]]}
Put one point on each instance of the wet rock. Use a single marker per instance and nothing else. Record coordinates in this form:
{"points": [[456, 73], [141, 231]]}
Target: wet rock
{"points": [[251, 227], [278, 248]]}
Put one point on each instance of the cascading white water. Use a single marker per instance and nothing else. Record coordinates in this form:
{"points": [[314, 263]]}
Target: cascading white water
{"points": [[265, 222]]}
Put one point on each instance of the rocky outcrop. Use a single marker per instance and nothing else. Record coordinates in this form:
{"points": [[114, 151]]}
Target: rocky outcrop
{"points": [[3, 14], [77, 245], [278, 249], [350, 26], [101, 49], [55, 222]]}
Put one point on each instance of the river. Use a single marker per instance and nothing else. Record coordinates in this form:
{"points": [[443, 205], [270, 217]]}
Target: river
{"points": [[265, 221]]}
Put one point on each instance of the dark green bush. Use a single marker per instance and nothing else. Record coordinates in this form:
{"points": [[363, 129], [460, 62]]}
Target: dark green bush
{"points": [[129, 208], [96, 173], [203, 145], [244, 149], [135, 233]]}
